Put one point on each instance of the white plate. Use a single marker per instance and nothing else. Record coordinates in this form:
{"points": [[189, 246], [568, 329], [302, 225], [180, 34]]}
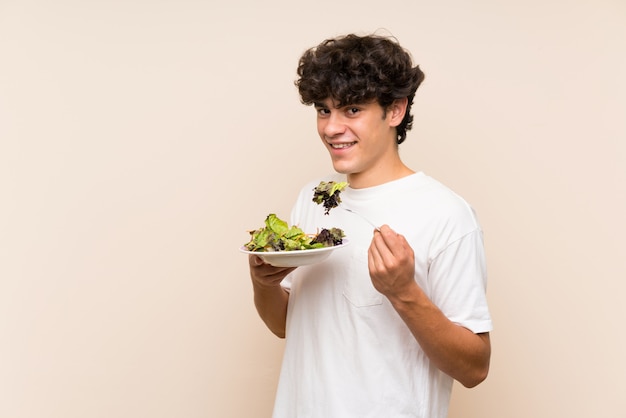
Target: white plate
{"points": [[295, 258]]}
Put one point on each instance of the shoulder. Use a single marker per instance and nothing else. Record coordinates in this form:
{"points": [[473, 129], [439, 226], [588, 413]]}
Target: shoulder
{"points": [[431, 206], [436, 199]]}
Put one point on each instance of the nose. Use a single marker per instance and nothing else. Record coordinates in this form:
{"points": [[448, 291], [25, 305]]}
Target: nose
{"points": [[332, 125]]}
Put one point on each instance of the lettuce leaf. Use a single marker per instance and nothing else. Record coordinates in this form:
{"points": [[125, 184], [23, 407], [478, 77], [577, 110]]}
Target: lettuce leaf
{"points": [[277, 235], [327, 194]]}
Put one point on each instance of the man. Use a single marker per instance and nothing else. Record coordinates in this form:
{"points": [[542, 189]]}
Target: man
{"points": [[384, 325]]}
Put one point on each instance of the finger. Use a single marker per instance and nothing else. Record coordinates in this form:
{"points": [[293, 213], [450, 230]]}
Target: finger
{"points": [[378, 253], [271, 271], [374, 259], [255, 260], [380, 246], [395, 243]]}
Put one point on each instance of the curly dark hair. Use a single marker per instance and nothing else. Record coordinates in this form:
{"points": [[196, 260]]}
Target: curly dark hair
{"points": [[354, 69]]}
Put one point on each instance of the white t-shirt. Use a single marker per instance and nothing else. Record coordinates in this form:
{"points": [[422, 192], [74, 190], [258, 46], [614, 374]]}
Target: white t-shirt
{"points": [[347, 352]]}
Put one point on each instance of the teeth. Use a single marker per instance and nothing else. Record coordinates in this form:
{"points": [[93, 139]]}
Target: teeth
{"points": [[339, 146]]}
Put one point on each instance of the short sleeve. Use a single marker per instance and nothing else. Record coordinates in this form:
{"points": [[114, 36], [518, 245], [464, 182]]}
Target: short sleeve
{"points": [[458, 279]]}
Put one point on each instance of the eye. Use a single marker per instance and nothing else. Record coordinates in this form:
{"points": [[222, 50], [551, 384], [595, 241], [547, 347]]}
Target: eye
{"points": [[353, 110], [322, 111]]}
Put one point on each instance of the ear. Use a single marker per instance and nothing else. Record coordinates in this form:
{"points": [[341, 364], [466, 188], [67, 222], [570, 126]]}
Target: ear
{"points": [[397, 111]]}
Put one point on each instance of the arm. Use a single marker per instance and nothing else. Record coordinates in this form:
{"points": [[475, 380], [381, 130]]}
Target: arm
{"points": [[455, 350], [270, 299]]}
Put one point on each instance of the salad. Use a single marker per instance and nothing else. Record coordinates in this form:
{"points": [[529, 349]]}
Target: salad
{"points": [[327, 194], [277, 235]]}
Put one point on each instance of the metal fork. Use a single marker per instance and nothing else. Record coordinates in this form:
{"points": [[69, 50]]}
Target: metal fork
{"points": [[362, 217]]}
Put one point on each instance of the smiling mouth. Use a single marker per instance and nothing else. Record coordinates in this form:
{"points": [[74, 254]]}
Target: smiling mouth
{"points": [[342, 146]]}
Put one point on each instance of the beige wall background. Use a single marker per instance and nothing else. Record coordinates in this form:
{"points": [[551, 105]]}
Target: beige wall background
{"points": [[140, 140]]}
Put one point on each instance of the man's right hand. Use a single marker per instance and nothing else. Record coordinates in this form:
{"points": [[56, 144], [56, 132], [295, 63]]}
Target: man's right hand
{"points": [[265, 275]]}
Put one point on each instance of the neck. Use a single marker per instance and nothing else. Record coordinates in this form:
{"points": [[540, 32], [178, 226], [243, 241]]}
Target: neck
{"points": [[371, 179]]}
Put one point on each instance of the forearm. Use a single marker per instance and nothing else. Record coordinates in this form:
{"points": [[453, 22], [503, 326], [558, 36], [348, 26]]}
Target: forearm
{"points": [[455, 350], [271, 304]]}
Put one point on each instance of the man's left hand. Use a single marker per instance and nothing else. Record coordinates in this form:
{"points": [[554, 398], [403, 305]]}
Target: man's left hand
{"points": [[391, 262]]}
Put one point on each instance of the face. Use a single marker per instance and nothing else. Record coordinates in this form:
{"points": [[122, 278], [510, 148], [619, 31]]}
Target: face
{"points": [[361, 140]]}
